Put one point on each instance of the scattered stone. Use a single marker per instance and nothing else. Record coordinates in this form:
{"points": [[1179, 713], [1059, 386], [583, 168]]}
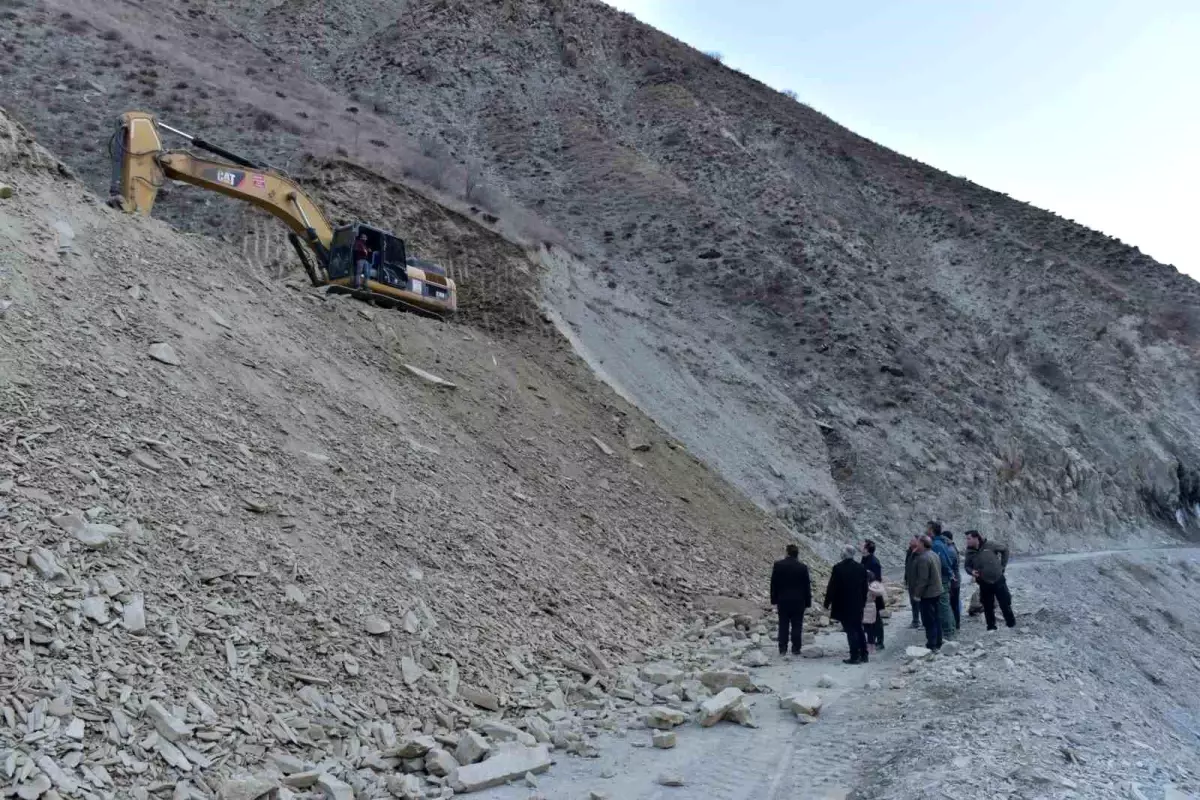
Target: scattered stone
{"points": [[440, 763], [741, 714], [303, 780], [46, 564], [802, 703], [538, 728], [167, 724], [661, 673], [164, 353], [430, 378], [825, 681], [89, 534], [714, 709], [471, 748], [287, 763], [663, 740], [670, 779], [377, 626], [411, 671], [950, 648], [6, 191], [76, 729], [595, 795], [509, 763], [874, 685], [294, 594], [601, 446], [502, 732], [134, 613], [479, 697], [35, 788], [915, 652], [334, 789], [664, 717], [249, 789], [812, 651], [719, 679], [217, 318], [95, 608], [146, 460], [412, 747], [755, 658], [405, 787]]}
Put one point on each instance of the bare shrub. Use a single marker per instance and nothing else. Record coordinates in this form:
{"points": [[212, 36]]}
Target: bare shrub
{"points": [[716, 56]]}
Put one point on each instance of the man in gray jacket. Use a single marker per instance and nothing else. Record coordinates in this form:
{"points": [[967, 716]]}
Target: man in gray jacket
{"points": [[987, 560], [926, 588]]}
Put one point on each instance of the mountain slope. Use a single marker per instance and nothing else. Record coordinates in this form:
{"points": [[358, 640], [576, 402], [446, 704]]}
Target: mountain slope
{"points": [[856, 340], [279, 479]]}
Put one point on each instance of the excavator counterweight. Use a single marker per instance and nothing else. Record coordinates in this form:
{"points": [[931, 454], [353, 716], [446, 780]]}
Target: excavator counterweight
{"points": [[370, 263]]}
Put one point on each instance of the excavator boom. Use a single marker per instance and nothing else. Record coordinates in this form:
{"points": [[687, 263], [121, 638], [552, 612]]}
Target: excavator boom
{"points": [[141, 166]]}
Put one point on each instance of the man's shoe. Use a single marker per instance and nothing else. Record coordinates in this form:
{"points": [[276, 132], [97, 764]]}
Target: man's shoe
{"points": [[851, 661], [991, 627], [915, 625], [880, 646], [865, 659]]}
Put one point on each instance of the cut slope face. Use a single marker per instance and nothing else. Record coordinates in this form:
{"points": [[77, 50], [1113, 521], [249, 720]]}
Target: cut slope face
{"points": [[295, 510], [856, 340]]}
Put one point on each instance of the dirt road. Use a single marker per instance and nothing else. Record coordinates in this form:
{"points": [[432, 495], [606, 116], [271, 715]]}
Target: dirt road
{"points": [[779, 759], [990, 720]]}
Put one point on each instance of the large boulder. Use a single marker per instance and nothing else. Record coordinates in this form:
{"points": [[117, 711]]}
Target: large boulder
{"points": [[510, 762], [714, 709]]}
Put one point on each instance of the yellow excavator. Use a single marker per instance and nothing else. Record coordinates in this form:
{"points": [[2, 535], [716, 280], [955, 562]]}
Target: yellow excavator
{"points": [[367, 262]]}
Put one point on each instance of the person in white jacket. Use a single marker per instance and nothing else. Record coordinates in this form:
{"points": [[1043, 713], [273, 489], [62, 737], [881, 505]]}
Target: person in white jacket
{"points": [[872, 618]]}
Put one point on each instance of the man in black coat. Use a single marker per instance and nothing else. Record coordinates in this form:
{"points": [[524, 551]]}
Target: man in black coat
{"points": [[791, 593], [846, 598]]}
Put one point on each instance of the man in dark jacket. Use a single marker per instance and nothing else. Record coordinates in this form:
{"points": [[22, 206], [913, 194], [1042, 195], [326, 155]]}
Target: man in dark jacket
{"points": [[926, 586], [846, 598], [910, 555], [987, 560], [874, 573], [791, 594]]}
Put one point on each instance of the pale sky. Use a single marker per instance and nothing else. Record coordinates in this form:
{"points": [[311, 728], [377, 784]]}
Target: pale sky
{"points": [[1089, 108]]}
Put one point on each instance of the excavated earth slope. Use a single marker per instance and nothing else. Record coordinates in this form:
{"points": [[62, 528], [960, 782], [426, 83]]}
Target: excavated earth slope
{"points": [[218, 486], [856, 340]]}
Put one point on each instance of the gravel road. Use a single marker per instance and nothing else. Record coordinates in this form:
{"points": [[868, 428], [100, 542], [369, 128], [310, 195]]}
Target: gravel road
{"points": [[998, 714]]}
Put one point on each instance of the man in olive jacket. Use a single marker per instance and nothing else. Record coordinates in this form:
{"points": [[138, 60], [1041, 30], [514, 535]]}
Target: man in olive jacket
{"points": [[987, 560], [926, 588], [791, 594]]}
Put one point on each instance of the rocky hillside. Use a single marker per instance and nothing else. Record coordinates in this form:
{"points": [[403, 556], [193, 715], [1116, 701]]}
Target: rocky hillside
{"points": [[856, 340], [251, 516]]}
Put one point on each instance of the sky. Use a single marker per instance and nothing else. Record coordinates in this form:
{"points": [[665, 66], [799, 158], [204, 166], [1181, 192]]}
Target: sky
{"points": [[1089, 108]]}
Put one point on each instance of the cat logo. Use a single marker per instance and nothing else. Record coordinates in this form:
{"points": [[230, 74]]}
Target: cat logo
{"points": [[228, 177]]}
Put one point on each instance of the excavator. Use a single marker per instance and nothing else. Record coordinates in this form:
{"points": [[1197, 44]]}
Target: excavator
{"points": [[358, 259]]}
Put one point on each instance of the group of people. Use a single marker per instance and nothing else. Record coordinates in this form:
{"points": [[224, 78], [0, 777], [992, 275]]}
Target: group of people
{"points": [[855, 595], [933, 575]]}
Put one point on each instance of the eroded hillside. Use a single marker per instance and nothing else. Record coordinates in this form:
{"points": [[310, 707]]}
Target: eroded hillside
{"points": [[856, 340], [219, 484]]}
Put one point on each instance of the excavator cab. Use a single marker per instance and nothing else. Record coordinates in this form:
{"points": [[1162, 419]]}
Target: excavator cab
{"points": [[367, 259]]}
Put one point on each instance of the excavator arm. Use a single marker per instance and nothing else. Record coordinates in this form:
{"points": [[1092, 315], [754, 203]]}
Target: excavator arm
{"points": [[141, 166]]}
